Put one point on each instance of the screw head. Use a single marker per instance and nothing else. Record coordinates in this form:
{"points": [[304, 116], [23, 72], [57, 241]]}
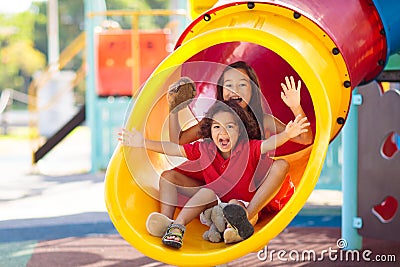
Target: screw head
{"points": [[207, 17], [296, 15], [250, 5], [340, 120], [347, 84], [335, 51]]}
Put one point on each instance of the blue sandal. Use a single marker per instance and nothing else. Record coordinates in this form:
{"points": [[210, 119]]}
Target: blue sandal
{"points": [[173, 242]]}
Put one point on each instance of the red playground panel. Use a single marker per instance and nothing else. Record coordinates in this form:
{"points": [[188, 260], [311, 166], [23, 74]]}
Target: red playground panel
{"points": [[115, 65]]}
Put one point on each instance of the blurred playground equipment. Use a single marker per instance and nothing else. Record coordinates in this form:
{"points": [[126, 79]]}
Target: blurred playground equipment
{"points": [[7, 98], [124, 60], [378, 164], [50, 104], [332, 47]]}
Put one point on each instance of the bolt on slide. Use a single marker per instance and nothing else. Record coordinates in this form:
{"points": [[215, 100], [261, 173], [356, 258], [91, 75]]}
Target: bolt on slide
{"points": [[331, 47]]}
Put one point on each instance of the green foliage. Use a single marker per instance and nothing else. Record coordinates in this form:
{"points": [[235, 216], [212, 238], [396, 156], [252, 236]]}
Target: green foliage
{"points": [[21, 56], [71, 19], [18, 56], [145, 22], [40, 27]]}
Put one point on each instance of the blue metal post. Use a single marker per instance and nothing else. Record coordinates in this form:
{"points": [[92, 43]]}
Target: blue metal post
{"points": [[350, 221], [91, 98]]}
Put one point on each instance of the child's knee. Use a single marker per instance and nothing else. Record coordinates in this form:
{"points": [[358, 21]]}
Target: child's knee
{"points": [[282, 164], [208, 193], [237, 202], [168, 176]]}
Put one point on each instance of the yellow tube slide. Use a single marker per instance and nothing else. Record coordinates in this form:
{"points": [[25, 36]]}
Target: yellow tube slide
{"points": [[131, 184]]}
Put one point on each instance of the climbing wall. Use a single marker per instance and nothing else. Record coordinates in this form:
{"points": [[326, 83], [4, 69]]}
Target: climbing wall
{"points": [[379, 162]]}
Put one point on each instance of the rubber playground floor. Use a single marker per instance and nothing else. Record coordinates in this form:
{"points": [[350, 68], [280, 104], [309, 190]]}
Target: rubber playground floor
{"points": [[54, 214]]}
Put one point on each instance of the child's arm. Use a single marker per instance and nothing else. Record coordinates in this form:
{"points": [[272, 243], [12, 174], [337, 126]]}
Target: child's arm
{"points": [[180, 94], [291, 97], [179, 136], [293, 129], [135, 139]]}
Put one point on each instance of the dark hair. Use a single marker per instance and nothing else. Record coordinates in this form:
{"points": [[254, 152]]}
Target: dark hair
{"points": [[254, 107], [244, 120]]}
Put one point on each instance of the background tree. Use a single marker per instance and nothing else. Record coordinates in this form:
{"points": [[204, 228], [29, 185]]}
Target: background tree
{"points": [[18, 56]]}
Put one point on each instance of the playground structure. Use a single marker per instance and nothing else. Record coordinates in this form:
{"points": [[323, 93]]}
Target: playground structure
{"points": [[117, 72], [378, 163], [294, 38], [291, 36], [52, 101]]}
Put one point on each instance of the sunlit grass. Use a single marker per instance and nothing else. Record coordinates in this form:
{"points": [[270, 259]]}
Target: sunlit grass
{"points": [[17, 133], [25, 133]]}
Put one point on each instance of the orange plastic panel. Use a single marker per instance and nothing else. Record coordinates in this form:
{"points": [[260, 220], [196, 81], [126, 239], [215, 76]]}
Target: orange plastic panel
{"points": [[116, 66]]}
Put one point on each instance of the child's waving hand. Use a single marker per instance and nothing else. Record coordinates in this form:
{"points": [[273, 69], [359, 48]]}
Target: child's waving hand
{"points": [[131, 138], [297, 127], [291, 94]]}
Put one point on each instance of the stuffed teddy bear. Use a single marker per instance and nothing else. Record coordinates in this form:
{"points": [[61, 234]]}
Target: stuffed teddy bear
{"points": [[214, 218], [181, 93]]}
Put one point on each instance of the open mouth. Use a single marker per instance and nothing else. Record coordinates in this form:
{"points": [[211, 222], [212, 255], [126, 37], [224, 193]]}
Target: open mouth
{"points": [[237, 99], [224, 143]]}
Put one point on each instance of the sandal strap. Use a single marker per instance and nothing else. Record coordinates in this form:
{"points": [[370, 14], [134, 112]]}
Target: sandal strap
{"points": [[180, 227], [173, 234], [172, 242]]}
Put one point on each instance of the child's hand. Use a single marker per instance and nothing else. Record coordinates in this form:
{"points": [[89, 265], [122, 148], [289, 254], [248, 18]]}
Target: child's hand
{"points": [[131, 138], [290, 94], [297, 127]]}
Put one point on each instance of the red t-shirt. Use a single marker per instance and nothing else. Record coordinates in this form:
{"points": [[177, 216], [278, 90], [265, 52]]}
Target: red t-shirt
{"points": [[232, 178]]}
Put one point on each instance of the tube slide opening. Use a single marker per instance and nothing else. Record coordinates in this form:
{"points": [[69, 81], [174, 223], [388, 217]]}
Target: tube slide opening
{"points": [[305, 52]]}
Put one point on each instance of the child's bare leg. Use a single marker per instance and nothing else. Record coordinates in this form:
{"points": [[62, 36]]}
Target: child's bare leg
{"points": [[200, 201], [269, 187], [203, 199], [172, 182]]}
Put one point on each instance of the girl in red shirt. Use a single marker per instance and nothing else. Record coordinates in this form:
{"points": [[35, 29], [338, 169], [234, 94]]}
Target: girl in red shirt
{"points": [[228, 157], [238, 82]]}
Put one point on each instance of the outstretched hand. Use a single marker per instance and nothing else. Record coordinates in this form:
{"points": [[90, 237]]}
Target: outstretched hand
{"points": [[291, 94], [131, 138], [297, 127]]}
